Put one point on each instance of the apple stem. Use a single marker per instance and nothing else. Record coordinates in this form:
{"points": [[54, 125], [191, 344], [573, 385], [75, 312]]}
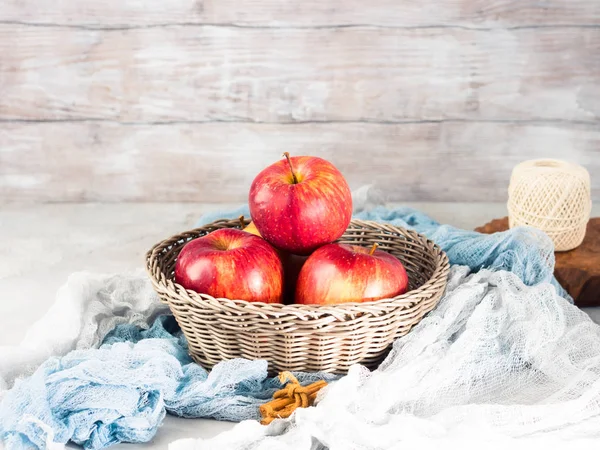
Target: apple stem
{"points": [[287, 156], [375, 245], [242, 223]]}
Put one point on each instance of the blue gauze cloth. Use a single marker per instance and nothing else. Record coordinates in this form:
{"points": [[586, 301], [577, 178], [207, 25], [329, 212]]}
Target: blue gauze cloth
{"points": [[121, 391]]}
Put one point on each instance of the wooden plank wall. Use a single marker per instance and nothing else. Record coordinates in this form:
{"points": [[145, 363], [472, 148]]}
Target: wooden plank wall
{"points": [[186, 100]]}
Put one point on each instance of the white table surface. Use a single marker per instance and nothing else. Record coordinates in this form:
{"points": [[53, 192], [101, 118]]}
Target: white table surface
{"points": [[40, 245]]}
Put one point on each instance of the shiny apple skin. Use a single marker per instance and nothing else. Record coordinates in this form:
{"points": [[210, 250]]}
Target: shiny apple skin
{"points": [[233, 264], [300, 218], [341, 273]]}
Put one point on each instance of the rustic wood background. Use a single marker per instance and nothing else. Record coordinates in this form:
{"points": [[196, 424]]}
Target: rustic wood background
{"points": [[186, 100]]}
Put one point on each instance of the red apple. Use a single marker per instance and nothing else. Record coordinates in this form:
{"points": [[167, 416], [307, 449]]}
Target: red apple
{"points": [[341, 273], [300, 204], [230, 263]]}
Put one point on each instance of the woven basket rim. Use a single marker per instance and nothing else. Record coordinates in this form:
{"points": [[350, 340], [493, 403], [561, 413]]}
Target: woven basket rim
{"points": [[162, 281]]}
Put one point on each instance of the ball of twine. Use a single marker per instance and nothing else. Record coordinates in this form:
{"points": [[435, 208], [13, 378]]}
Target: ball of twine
{"points": [[553, 196]]}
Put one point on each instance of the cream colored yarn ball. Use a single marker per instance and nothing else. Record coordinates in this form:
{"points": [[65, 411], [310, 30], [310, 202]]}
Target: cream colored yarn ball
{"points": [[553, 196]]}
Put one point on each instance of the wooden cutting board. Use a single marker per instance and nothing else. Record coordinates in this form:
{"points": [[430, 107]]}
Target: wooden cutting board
{"points": [[577, 270]]}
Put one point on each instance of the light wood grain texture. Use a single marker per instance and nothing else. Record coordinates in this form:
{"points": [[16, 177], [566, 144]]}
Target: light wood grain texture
{"points": [[126, 13], [137, 92], [217, 162], [263, 75]]}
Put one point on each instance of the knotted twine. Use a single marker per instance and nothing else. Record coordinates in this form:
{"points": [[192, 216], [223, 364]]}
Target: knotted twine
{"points": [[292, 396], [553, 196]]}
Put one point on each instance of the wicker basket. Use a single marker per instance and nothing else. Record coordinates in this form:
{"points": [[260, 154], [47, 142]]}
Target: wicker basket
{"points": [[303, 337]]}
